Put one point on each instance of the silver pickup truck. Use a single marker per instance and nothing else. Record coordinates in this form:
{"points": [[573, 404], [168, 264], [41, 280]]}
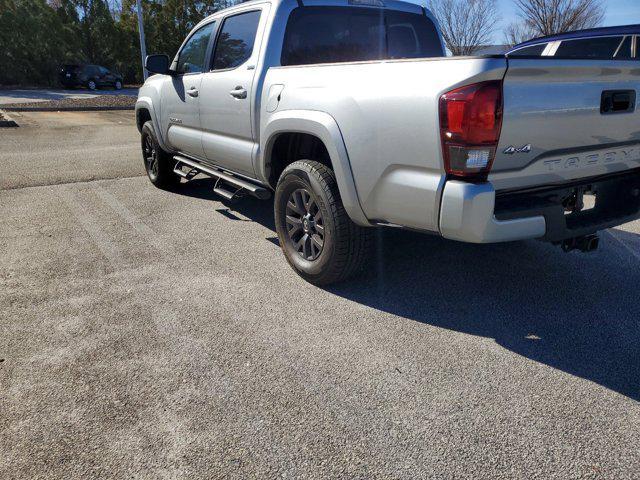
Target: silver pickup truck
{"points": [[350, 112]]}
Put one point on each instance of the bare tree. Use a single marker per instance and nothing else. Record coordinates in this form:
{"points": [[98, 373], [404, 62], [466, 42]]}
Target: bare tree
{"points": [[547, 17], [465, 24], [518, 32]]}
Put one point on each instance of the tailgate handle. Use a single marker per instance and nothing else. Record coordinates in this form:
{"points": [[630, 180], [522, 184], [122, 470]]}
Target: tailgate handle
{"points": [[617, 101]]}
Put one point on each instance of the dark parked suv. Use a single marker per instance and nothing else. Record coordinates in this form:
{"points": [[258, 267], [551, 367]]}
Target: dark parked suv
{"points": [[89, 76]]}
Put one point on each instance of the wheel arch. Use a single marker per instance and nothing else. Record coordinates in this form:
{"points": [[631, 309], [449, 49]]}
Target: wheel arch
{"points": [[316, 132], [143, 115], [146, 112]]}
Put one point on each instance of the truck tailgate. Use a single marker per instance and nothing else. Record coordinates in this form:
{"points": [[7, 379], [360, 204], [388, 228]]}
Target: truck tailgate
{"points": [[565, 120]]}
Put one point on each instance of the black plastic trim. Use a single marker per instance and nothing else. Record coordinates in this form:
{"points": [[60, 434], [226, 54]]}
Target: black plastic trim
{"points": [[617, 202]]}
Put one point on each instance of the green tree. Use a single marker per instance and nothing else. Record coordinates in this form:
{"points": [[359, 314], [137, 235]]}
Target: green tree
{"points": [[35, 39], [166, 25], [98, 31], [38, 37]]}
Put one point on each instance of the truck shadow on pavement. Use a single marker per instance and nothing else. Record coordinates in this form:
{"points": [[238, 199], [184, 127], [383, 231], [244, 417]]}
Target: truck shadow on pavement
{"points": [[578, 313]]}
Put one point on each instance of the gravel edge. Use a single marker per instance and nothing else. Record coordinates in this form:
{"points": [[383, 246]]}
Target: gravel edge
{"points": [[67, 109]]}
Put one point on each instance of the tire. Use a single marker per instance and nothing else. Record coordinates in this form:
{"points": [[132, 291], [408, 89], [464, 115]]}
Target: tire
{"points": [[157, 163], [92, 85], [118, 85], [335, 248]]}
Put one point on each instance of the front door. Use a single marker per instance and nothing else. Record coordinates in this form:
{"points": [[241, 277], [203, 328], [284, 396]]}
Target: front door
{"points": [[181, 94], [227, 92]]}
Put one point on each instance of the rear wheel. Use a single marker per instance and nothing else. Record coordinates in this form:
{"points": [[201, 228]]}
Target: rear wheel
{"points": [[318, 238], [118, 85], [91, 85], [157, 163]]}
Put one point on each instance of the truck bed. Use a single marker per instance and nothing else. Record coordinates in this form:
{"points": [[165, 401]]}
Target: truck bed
{"points": [[554, 127]]}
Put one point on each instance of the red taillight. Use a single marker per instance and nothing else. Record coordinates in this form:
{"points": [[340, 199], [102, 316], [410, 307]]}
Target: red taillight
{"points": [[470, 122]]}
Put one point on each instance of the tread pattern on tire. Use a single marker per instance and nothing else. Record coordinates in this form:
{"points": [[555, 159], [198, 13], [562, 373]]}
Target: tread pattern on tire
{"points": [[167, 179], [353, 243]]}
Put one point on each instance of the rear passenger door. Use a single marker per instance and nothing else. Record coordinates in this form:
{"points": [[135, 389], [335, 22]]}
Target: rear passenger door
{"points": [[227, 91]]}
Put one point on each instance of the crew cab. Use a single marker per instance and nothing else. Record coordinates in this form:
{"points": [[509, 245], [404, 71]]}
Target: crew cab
{"points": [[352, 116]]}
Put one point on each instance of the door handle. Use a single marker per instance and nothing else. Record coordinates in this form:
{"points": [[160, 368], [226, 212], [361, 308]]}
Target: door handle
{"points": [[617, 101], [238, 92], [192, 92]]}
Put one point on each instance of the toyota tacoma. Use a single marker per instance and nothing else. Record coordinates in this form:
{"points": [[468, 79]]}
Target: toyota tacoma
{"points": [[352, 116]]}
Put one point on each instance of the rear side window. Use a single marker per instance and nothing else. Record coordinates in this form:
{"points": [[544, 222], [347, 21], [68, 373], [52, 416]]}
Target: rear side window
{"points": [[624, 50], [191, 57], [596, 48], [348, 34], [236, 39], [532, 51]]}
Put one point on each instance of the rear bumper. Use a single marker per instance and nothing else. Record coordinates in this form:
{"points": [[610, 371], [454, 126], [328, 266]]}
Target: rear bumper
{"points": [[467, 215], [476, 213]]}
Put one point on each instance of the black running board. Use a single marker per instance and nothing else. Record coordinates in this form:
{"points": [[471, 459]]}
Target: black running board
{"points": [[223, 179]]}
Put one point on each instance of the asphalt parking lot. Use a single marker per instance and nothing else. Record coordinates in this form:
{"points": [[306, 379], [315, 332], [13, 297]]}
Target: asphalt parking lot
{"points": [[149, 334]]}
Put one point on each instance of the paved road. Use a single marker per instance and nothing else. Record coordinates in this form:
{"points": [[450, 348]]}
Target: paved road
{"points": [[63, 147], [149, 334], [43, 95]]}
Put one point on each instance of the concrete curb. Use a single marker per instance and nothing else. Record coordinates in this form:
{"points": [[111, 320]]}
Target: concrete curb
{"points": [[66, 109], [8, 122]]}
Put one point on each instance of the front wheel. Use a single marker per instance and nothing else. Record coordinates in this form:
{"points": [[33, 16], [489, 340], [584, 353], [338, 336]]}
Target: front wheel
{"points": [[318, 238], [157, 163], [92, 85], [118, 85]]}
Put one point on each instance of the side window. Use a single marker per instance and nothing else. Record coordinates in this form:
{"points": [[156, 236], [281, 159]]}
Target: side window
{"points": [[103, 71], [596, 48], [532, 51], [236, 39], [624, 50], [409, 35], [191, 57]]}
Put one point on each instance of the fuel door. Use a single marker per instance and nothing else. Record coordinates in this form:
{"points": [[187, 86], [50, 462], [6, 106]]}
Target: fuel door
{"points": [[273, 98]]}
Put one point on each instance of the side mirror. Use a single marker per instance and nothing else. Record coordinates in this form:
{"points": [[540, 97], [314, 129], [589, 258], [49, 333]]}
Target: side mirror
{"points": [[157, 64]]}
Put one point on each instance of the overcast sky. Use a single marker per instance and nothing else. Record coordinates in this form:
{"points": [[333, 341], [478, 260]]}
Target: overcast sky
{"points": [[619, 12]]}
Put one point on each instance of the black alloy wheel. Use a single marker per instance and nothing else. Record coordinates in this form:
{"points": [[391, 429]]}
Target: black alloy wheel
{"points": [[305, 225], [157, 163], [150, 155]]}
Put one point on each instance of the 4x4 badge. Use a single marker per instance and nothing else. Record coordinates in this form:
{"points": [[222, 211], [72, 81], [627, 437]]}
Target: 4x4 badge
{"points": [[511, 150]]}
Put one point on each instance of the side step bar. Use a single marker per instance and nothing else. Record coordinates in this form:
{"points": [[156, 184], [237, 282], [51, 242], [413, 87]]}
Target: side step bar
{"points": [[241, 185]]}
